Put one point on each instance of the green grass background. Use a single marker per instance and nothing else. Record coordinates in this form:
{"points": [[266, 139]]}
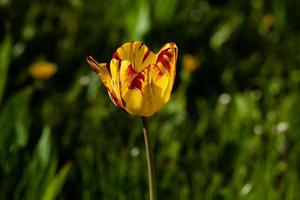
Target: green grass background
{"points": [[230, 131]]}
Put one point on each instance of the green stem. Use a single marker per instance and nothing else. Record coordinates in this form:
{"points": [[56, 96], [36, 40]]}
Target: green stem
{"points": [[150, 163]]}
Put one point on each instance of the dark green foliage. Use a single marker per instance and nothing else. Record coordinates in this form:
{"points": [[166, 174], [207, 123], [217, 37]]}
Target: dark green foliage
{"points": [[230, 131]]}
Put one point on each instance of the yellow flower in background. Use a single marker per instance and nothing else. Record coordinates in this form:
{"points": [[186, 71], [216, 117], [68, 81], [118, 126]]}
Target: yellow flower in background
{"points": [[42, 70], [190, 62], [137, 80]]}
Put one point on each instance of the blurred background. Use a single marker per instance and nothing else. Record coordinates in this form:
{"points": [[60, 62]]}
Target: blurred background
{"points": [[231, 129]]}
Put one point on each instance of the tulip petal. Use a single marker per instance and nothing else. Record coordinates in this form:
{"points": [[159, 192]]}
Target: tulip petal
{"points": [[137, 53], [127, 74], [114, 99], [167, 57], [166, 60], [101, 70], [115, 66], [145, 94]]}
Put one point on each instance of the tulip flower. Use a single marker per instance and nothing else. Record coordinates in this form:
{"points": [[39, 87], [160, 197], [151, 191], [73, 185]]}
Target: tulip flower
{"points": [[42, 70], [190, 62], [138, 80]]}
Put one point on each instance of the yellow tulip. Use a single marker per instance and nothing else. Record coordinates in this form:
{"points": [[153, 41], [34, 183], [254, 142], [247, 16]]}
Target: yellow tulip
{"points": [[42, 70], [190, 62], [137, 80]]}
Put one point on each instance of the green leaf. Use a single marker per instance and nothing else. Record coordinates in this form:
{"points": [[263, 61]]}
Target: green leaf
{"points": [[44, 146], [5, 49], [164, 11], [138, 20], [57, 182]]}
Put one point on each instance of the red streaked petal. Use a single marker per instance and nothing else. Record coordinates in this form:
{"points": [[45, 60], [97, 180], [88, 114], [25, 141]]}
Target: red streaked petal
{"points": [[116, 56], [167, 56], [141, 44], [101, 69], [114, 99], [131, 71], [137, 82], [164, 62], [146, 55], [137, 53]]}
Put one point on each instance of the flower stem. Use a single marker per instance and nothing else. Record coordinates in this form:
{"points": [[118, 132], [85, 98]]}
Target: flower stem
{"points": [[150, 163]]}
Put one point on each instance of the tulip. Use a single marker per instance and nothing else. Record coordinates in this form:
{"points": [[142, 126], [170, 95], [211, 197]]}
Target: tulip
{"points": [[138, 80], [190, 62], [42, 70]]}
